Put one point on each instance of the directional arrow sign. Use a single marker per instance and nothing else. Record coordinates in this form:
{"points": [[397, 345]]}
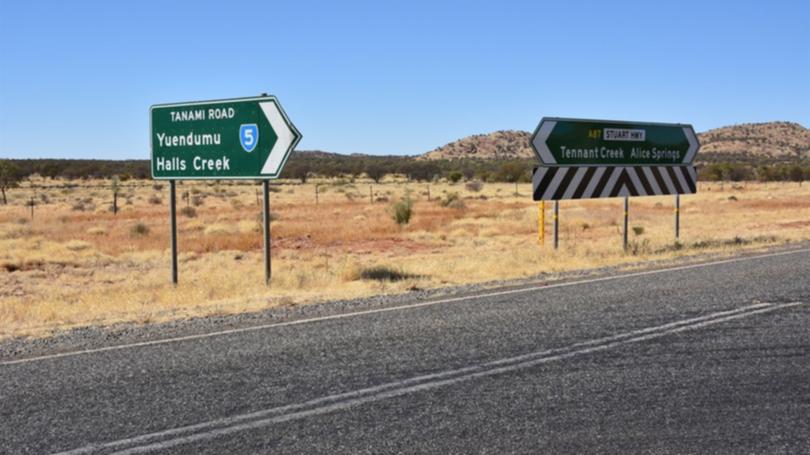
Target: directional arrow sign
{"points": [[244, 138], [575, 142]]}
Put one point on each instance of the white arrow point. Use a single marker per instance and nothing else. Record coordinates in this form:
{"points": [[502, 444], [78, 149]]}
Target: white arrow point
{"points": [[694, 145], [539, 142], [284, 134]]}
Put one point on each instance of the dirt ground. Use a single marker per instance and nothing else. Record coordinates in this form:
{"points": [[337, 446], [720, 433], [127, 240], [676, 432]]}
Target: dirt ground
{"points": [[76, 263]]}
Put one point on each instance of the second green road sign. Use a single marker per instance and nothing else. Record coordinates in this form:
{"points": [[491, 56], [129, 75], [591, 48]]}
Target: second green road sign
{"points": [[243, 138], [575, 142]]}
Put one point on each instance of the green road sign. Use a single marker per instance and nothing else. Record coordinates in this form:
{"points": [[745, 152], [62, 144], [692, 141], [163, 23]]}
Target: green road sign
{"points": [[243, 138], [574, 142]]}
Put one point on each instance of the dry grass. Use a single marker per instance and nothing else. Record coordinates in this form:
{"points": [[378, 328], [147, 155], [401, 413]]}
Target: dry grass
{"points": [[68, 268]]}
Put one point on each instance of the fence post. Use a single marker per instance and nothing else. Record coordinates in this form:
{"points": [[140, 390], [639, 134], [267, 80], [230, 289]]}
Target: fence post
{"points": [[626, 209]]}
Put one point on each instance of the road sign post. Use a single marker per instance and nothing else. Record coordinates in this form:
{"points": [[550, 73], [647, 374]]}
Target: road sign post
{"points": [[677, 217], [556, 224], [626, 219], [173, 222], [266, 229], [584, 159], [241, 138]]}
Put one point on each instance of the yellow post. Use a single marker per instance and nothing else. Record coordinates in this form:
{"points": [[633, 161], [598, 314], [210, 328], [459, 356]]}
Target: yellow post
{"points": [[541, 223]]}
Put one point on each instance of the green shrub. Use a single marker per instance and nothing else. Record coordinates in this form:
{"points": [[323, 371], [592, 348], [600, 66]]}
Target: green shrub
{"points": [[188, 212], [455, 176], [140, 229], [383, 273], [402, 211]]}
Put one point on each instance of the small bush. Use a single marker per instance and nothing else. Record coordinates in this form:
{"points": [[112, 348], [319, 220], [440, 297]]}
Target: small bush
{"points": [[77, 245], [454, 176], [402, 211], [157, 187], [637, 248], [737, 240], [139, 229], [383, 273], [97, 231], [197, 201], [638, 230], [188, 212], [732, 198], [475, 186], [218, 229], [154, 200], [453, 201], [82, 206]]}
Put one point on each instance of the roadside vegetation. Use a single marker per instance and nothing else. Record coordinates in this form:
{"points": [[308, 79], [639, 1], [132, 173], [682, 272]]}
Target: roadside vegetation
{"points": [[304, 166], [69, 260]]}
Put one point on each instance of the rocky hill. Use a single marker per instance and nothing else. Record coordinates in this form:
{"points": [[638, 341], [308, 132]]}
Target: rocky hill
{"points": [[769, 142], [772, 141], [507, 144]]}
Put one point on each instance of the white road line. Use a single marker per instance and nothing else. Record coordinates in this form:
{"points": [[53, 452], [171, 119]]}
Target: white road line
{"points": [[208, 430], [395, 308], [417, 379]]}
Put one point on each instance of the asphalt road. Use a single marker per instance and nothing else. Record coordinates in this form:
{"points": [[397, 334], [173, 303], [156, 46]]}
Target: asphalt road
{"points": [[701, 359]]}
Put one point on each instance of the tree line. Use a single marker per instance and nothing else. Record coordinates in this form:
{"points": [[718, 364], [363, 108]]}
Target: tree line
{"points": [[300, 166], [737, 172], [305, 165]]}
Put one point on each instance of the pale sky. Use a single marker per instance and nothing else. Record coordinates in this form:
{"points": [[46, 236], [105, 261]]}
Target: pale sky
{"points": [[77, 78]]}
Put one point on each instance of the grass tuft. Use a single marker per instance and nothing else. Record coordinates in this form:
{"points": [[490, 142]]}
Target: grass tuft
{"points": [[384, 273], [139, 229]]}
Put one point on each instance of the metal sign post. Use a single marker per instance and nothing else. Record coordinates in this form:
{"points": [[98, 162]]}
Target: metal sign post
{"points": [[266, 229], [677, 217], [241, 138], [556, 224], [626, 213], [173, 218]]}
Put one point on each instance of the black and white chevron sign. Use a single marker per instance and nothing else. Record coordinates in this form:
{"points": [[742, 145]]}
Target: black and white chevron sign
{"points": [[585, 182]]}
